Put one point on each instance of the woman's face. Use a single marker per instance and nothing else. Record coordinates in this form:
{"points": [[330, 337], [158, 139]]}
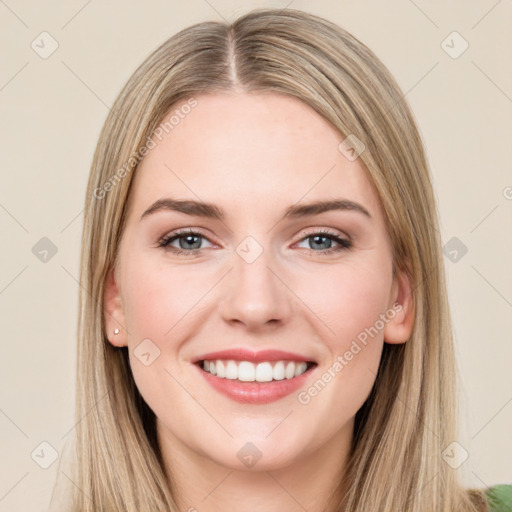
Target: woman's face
{"points": [[258, 273]]}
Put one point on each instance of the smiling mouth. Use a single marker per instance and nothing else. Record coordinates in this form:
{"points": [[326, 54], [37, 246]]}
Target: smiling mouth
{"points": [[247, 371]]}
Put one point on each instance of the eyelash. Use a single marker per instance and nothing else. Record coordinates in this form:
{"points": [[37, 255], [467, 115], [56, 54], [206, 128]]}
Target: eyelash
{"points": [[165, 242]]}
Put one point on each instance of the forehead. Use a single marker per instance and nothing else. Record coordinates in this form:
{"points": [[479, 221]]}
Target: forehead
{"points": [[246, 150]]}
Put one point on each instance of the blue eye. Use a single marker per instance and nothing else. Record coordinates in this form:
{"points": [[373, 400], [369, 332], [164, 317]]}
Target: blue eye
{"points": [[190, 242], [186, 240], [318, 239]]}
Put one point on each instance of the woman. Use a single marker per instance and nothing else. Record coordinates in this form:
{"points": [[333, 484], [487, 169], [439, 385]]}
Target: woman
{"points": [[263, 319]]}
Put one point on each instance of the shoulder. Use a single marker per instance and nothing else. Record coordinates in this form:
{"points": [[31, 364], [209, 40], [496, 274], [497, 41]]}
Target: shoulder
{"points": [[499, 498]]}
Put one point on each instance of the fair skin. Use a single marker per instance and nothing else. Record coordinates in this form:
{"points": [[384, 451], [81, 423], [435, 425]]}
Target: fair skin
{"points": [[253, 156]]}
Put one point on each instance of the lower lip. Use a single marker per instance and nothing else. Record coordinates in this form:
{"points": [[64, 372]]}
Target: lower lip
{"points": [[255, 392]]}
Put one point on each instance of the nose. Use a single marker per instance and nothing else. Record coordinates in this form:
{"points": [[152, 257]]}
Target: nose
{"points": [[255, 294]]}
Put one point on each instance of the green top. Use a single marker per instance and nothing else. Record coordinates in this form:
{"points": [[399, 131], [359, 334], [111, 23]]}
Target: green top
{"points": [[499, 498]]}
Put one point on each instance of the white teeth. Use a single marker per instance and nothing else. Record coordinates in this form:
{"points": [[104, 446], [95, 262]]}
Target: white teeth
{"points": [[264, 372], [247, 371], [290, 370], [300, 369], [231, 370], [278, 372]]}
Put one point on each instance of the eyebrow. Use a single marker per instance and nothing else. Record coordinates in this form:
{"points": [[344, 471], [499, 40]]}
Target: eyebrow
{"points": [[209, 210]]}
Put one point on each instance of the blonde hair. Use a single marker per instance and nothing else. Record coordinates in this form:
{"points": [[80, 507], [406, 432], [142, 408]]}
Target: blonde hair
{"points": [[409, 418]]}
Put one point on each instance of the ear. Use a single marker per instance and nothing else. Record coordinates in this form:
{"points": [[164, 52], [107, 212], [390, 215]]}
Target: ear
{"points": [[113, 311], [399, 327]]}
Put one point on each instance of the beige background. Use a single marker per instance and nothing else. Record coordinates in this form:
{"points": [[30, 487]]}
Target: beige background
{"points": [[52, 112]]}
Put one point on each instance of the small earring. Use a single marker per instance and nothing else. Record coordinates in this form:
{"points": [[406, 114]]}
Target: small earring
{"points": [[116, 331]]}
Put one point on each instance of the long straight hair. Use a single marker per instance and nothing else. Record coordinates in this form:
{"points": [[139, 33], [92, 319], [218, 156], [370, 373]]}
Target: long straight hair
{"points": [[409, 418]]}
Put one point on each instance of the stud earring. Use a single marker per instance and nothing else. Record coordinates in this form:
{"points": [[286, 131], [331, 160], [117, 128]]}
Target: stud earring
{"points": [[116, 331]]}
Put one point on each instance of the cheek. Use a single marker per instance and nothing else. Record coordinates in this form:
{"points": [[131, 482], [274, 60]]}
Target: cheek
{"points": [[350, 304], [157, 298], [347, 299], [156, 301]]}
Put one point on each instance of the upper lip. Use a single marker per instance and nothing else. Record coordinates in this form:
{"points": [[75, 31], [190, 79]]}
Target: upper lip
{"points": [[243, 354]]}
